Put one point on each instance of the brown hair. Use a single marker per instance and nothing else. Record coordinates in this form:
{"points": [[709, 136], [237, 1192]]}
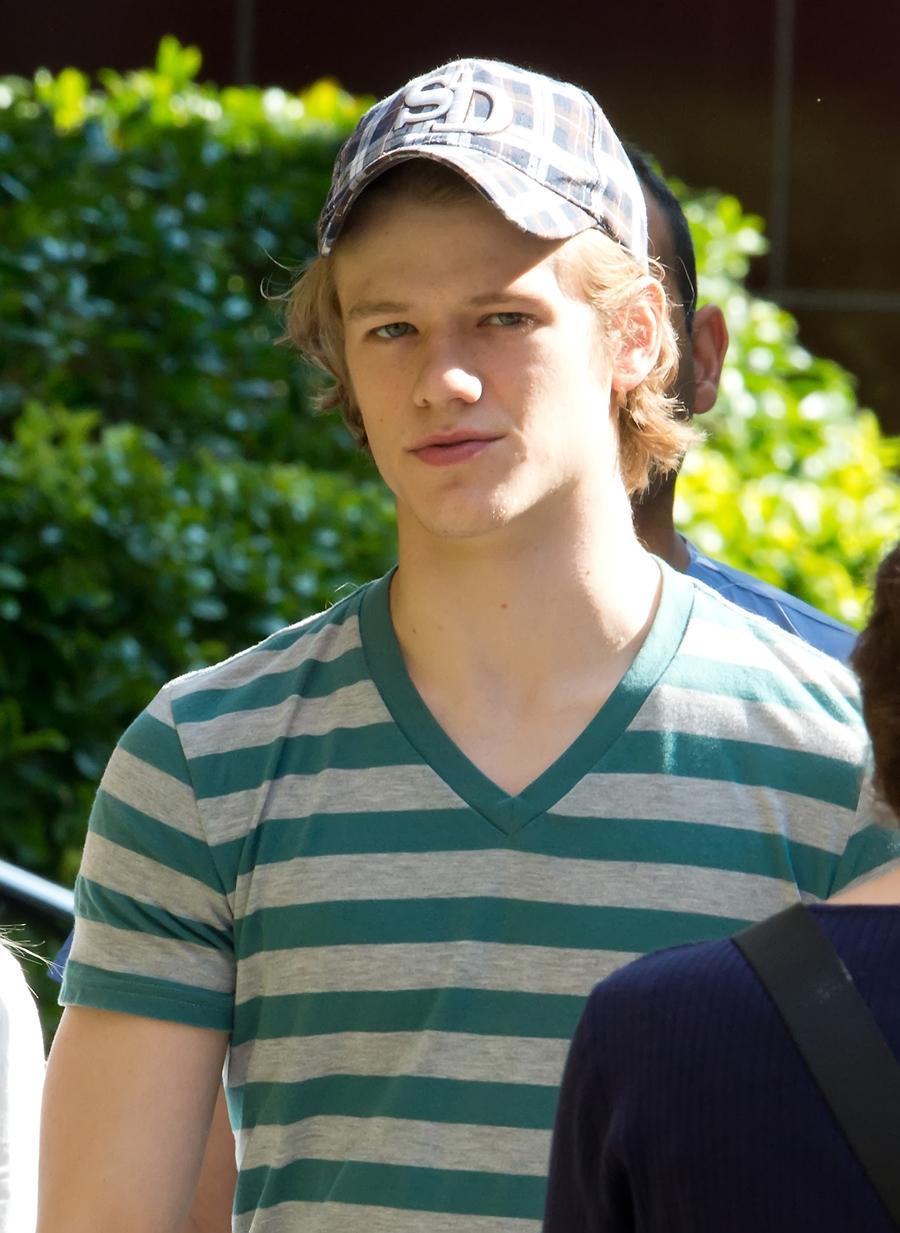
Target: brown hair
{"points": [[876, 659], [653, 436]]}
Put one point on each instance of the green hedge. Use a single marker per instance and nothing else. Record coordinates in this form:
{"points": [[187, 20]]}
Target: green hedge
{"points": [[120, 566], [138, 224], [166, 496]]}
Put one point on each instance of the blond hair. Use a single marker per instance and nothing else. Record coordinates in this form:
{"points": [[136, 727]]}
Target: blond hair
{"points": [[653, 429]]}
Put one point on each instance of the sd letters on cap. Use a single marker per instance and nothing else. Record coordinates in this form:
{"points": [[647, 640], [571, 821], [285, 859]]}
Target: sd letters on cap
{"points": [[540, 150]]}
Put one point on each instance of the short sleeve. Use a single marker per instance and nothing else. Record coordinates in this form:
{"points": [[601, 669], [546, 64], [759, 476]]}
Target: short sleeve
{"points": [[874, 844], [153, 922]]}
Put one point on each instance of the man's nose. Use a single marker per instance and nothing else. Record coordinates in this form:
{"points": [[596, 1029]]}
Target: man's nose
{"points": [[445, 376]]}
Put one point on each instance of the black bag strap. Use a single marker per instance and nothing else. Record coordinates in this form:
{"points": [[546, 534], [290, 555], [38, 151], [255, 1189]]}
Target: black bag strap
{"points": [[837, 1036]]}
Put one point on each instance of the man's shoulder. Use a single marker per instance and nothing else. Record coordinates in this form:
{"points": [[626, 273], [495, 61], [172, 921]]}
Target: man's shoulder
{"points": [[781, 608], [271, 670], [737, 657]]}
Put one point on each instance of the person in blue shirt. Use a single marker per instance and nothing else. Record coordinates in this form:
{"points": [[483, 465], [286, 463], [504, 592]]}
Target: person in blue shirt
{"points": [[703, 342]]}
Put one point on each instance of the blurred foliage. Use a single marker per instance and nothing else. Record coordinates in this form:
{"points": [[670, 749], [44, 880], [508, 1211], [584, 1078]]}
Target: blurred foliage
{"points": [[138, 224], [167, 497], [120, 565]]}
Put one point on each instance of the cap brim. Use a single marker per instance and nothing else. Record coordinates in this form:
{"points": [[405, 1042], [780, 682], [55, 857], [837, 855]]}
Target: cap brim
{"points": [[528, 205]]}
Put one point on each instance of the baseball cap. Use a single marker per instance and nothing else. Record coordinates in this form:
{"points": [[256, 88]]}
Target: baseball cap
{"points": [[539, 150]]}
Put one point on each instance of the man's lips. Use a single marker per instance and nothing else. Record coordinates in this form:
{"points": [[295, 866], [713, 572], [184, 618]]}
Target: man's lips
{"points": [[444, 449]]}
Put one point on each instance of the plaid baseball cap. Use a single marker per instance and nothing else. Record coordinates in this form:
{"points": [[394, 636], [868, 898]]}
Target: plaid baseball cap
{"points": [[540, 150]]}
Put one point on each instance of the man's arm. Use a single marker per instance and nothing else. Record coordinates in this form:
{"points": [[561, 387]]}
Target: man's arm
{"points": [[214, 1196], [127, 1109]]}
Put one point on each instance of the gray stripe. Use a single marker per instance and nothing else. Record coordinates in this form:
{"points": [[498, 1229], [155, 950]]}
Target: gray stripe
{"points": [[752, 641], [673, 709], [389, 789], [322, 646], [144, 954], [355, 1218], [433, 1055], [710, 802], [466, 965], [728, 641], [143, 787], [396, 1141], [160, 707], [504, 874], [352, 706], [146, 881]]}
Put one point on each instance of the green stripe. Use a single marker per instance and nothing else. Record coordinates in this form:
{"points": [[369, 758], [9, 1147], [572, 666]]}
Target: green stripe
{"points": [[341, 834], [239, 770], [870, 847], [685, 844], [478, 1011], [312, 679], [157, 744], [669, 752], [85, 985], [523, 1105], [740, 762], [460, 1191], [166, 846], [753, 684], [514, 922], [98, 903], [690, 846], [812, 870], [849, 712]]}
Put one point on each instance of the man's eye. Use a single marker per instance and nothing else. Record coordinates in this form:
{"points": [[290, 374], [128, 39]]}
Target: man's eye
{"points": [[507, 319], [393, 329]]}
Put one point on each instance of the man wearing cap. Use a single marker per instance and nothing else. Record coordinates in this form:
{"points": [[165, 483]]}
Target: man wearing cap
{"points": [[375, 863]]}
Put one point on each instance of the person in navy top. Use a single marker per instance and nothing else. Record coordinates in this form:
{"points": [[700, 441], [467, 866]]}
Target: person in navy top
{"points": [[703, 341], [685, 1106]]}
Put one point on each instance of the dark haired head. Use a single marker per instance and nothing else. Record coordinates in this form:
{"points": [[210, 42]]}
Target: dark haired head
{"points": [[876, 659], [685, 271]]}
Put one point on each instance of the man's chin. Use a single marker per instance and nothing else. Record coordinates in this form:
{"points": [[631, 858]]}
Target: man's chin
{"points": [[465, 521]]}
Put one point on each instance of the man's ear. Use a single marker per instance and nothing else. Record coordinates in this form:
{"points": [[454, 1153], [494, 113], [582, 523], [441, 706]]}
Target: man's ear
{"points": [[639, 336], [709, 342]]}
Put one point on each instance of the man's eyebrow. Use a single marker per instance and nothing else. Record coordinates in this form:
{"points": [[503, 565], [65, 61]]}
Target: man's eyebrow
{"points": [[374, 308], [502, 296], [362, 309]]}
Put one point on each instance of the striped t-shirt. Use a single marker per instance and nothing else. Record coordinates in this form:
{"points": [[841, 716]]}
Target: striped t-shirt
{"points": [[288, 846]]}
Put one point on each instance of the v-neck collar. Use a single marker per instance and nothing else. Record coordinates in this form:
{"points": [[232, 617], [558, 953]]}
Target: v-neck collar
{"points": [[431, 742]]}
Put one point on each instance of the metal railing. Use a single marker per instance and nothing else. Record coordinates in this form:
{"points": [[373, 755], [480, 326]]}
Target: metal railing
{"points": [[33, 891]]}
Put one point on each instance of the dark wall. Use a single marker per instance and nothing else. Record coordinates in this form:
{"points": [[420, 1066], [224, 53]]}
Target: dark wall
{"points": [[691, 80]]}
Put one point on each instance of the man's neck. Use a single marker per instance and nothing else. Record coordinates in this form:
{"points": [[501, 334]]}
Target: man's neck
{"points": [[515, 646], [654, 524]]}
